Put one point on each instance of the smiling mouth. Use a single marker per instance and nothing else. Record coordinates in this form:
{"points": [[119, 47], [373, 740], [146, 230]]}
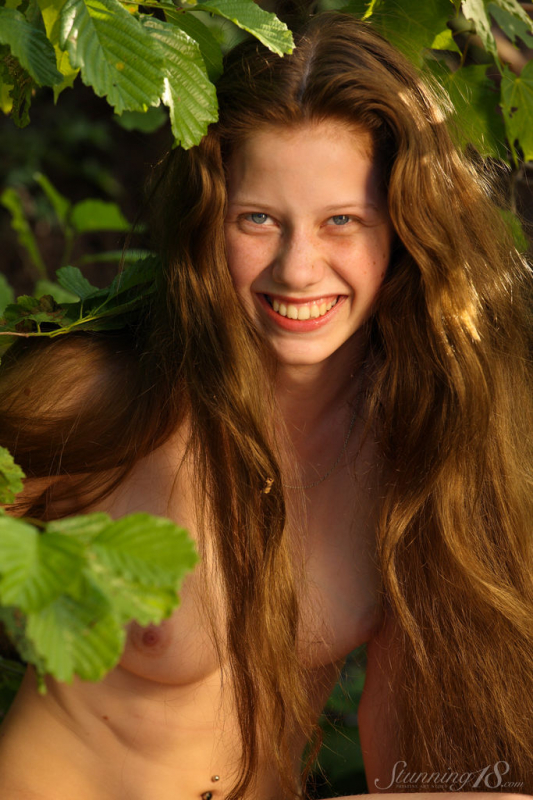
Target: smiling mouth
{"points": [[302, 311]]}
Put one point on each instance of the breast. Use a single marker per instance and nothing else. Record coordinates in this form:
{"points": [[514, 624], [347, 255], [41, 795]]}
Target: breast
{"points": [[340, 592]]}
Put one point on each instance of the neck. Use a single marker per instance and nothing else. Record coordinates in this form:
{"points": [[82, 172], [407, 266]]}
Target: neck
{"points": [[316, 404], [309, 394]]}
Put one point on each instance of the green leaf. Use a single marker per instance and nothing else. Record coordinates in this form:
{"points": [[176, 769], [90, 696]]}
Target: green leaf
{"points": [[475, 100], [152, 550], [517, 107], [98, 215], [143, 121], [59, 203], [189, 94], [512, 25], [35, 568], [11, 200], [30, 46], [141, 272], [445, 41], [410, 25], [71, 279], [77, 635], [51, 13], [81, 580], [476, 10], [11, 477], [7, 294], [60, 295], [22, 94], [246, 14], [195, 28], [84, 527], [28, 313], [116, 55], [111, 308], [516, 9]]}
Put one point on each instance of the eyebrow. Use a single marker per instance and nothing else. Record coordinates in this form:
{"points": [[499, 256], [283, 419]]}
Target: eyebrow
{"points": [[266, 207]]}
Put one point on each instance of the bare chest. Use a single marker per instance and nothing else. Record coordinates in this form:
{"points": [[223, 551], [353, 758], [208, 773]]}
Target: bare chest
{"points": [[340, 593]]}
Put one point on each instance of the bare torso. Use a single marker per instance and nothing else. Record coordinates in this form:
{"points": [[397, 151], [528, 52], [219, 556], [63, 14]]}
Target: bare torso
{"points": [[162, 724]]}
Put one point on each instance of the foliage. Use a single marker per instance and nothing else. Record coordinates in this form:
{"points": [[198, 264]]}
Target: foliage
{"points": [[68, 587], [136, 59], [493, 105], [73, 219]]}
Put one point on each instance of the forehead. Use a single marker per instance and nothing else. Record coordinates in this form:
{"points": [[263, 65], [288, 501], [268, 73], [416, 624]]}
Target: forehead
{"points": [[314, 159]]}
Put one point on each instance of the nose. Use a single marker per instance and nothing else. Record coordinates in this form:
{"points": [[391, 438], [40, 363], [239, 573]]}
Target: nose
{"points": [[299, 262]]}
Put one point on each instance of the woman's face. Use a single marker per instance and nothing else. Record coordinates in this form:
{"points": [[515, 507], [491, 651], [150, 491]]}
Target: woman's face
{"points": [[308, 236]]}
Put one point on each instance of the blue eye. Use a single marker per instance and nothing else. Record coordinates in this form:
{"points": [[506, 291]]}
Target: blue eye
{"points": [[258, 218], [340, 219]]}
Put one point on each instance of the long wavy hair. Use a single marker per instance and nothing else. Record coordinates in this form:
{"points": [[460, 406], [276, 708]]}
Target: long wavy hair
{"points": [[450, 402]]}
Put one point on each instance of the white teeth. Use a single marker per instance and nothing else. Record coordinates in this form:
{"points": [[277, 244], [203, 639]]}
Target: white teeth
{"points": [[302, 312], [292, 312]]}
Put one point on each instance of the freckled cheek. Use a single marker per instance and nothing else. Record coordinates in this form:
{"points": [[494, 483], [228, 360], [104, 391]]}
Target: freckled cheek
{"points": [[245, 263]]}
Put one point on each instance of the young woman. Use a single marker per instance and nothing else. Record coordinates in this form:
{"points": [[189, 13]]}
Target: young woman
{"points": [[333, 394]]}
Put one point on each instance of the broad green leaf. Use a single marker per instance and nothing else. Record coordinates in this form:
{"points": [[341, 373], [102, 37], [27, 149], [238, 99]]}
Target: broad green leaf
{"points": [[195, 28], [143, 121], [11, 477], [14, 622], [475, 100], [51, 12], [476, 10], [59, 203], [71, 279], [28, 313], [133, 600], [11, 200], [30, 46], [246, 14], [142, 271], [512, 25], [116, 55], [149, 549], [410, 25], [111, 308], [516, 9], [77, 635], [188, 93], [517, 107], [84, 527], [7, 294], [60, 295], [98, 215], [35, 568], [445, 41]]}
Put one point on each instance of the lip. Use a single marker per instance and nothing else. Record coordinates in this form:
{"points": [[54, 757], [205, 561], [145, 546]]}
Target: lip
{"points": [[299, 325]]}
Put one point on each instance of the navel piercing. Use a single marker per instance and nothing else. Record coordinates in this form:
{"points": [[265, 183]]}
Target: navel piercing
{"points": [[215, 778], [207, 796]]}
